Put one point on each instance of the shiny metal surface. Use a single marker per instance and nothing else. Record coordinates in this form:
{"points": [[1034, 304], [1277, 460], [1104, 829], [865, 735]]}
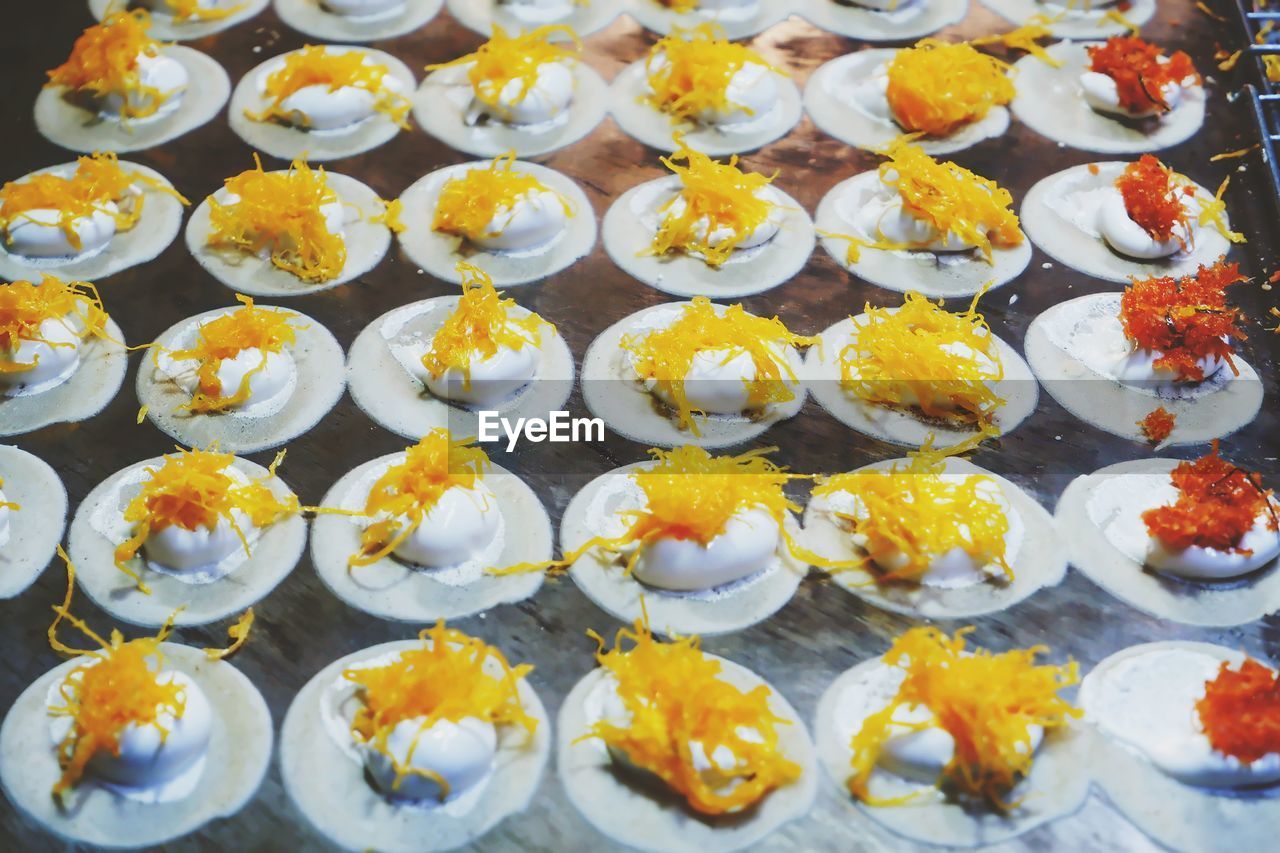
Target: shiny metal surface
{"points": [[301, 627]]}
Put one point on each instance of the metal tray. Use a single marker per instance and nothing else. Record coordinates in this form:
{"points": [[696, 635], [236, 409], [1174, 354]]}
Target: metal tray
{"points": [[824, 630]]}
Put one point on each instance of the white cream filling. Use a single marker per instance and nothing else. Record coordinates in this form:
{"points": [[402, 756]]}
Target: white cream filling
{"points": [[531, 222], [461, 525], [5, 514], [1129, 238], [160, 72], [761, 234], [362, 8], [909, 390], [717, 383], [1198, 563], [461, 753], [547, 99], [1148, 702], [492, 379], [746, 546], [53, 359], [334, 213], [1137, 367], [1100, 92], [884, 217], [181, 550], [751, 94], [38, 233], [278, 375]]}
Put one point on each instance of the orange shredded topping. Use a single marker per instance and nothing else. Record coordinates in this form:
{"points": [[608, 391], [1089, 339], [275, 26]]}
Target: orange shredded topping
{"points": [[98, 185], [935, 88], [1217, 504], [1141, 71], [689, 72], [281, 213], [104, 61], [267, 330], [675, 697], [450, 677], [1157, 425], [237, 633], [25, 307], [1153, 197], [913, 514], [665, 356], [1184, 319], [505, 58], [470, 203], [1240, 711], [987, 702], [191, 10], [923, 356], [1235, 155], [317, 65], [482, 324], [713, 196], [403, 496], [193, 490]]}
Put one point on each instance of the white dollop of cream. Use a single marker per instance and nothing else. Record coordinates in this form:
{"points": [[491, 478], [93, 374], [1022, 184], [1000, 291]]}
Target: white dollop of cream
{"points": [[761, 234], [458, 528], [746, 546], [181, 550], [38, 233], [461, 753], [492, 379], [267, 383], [321, 108], [53, 359], [1100, 93], [717, 382], [334, 213], [164, 7], [533, 220], [909, 389], [164, 74], [153, 754], [546, 100], [1137, 367], [751, 94], [883, 216], [362, 8], [1147, 701], [1200, 563], [5, 515], [1129, 238], [725, 5], [921, 754]]}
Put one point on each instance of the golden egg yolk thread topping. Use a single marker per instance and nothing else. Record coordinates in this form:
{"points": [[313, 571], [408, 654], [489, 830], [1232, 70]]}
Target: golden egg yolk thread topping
{"points": [[1217, 504], [1025, 38], [1240, 711], [680, 5], [481, 325], [1213, 213], [104, 61], [505, 58], [25, 307], [915, 513], [192, 490], [281, 213], [403, 496], [923, 356], [1184, 319], [317, 65], [444, 679], [1154, 198], [191, 10], [988, 702], [97, 181], [470, 203], [713, 196], [1141, 71], [1157, 425], [935, 88], [665, 356], [689, 72], [267, 330], [675, 697]]}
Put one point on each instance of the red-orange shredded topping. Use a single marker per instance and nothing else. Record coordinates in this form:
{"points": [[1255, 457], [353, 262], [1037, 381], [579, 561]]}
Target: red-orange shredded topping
{"points": [[1139, 73], [1157, 425], [1185, 319], [1217, 504], [1240, 711], [1153, 196]]}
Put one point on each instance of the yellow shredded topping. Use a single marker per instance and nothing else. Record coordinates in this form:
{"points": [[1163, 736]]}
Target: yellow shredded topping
{"points": [[1026, 38], [935, 88], [911, 515], [471, 204], [104, 61], [713, 196], [504, 58], [7, 504], [402, 497], [987, 702], [317, 65], [482, 323], [25, 307], [1213, 213], [922, 356], [238, 634], [191, 10], [450, 677], [192, 490], [666, 355], [98, 184], [390, 216], [689, 72], [1116, 17], [675, 697], [281, 213], [267, 330]]}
